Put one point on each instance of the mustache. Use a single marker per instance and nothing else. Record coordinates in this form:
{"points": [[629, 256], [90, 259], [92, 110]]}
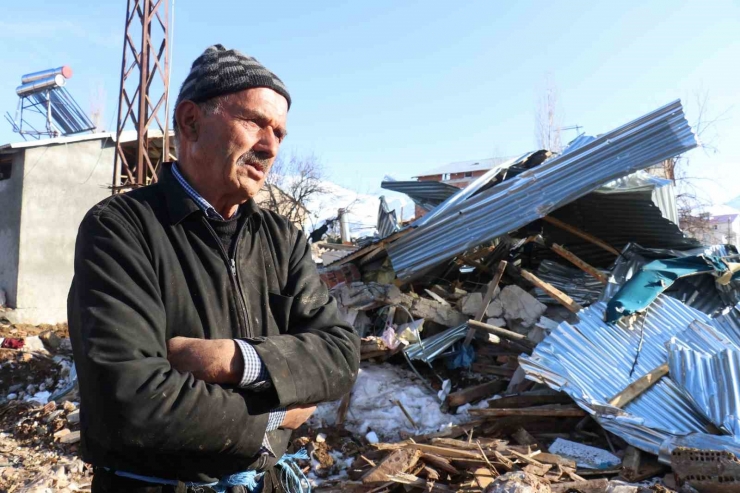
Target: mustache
{"points": [[259, 160]]}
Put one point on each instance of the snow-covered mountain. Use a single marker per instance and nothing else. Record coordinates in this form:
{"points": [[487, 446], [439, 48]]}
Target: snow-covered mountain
{"points": [[363, 208]]}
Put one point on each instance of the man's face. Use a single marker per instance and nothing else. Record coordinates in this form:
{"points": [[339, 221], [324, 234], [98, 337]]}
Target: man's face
{"points": [[238, 144]]}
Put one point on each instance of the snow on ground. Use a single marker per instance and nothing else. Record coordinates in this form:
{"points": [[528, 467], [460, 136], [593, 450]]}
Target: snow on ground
{"points": [[371, 409], [363, 207]]}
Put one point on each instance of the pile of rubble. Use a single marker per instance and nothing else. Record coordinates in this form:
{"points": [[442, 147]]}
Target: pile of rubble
{"points": [[39, 417], [547, 328]]}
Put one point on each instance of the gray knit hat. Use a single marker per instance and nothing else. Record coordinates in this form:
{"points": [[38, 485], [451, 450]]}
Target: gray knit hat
{"points": [[219, 71]]}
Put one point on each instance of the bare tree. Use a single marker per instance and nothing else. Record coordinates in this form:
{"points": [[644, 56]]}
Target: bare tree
{"points": [[547, 119], [97, 108], [690, 201], [293, 182]]}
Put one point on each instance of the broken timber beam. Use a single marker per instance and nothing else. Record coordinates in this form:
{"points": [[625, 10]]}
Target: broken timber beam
{"points": [[476, 392], [552, 291], [529, 400], [505, 333], [545, 411], [575, 260], [486, 299], [581, 234], [639, 386], [500, 371]]}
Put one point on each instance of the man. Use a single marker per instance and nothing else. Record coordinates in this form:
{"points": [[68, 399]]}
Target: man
{"points": [[202, 334]]}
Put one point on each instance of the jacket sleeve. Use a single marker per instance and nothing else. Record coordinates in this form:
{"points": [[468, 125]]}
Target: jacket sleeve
{"points": [[117, 315], [318, 358]]}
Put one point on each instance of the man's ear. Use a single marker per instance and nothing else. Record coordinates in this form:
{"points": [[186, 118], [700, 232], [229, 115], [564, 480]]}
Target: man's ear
{"points": [[187, 115]]}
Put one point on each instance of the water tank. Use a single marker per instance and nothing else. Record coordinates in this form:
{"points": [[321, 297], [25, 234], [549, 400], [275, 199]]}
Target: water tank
{"points": [[64, 70], [39, 85]]}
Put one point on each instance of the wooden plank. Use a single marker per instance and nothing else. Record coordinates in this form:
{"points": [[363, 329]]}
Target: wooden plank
{"points": [[439, 463], [581, 234], [636, 388], [526, 400], [486, 299], [405, 412], [398, 461], [476, 392], [505, 333], [488, 443], [416, 482], [448, 452], [343, 407], [575, 260], [370, 249], [501, 371], [551, 412], [483, 477], [552, 291], [555, 460]]}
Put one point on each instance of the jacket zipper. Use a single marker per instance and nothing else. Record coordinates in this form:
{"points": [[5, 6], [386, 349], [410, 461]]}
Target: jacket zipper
{"points": [[240, 291], [231, 266]]}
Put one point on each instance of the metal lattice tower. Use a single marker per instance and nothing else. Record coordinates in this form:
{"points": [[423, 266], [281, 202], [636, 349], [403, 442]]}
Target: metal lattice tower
{"points": [[143, 98]]}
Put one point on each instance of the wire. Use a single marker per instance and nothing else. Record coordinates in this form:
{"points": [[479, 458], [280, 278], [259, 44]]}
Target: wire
{"points": [[639, 344]]}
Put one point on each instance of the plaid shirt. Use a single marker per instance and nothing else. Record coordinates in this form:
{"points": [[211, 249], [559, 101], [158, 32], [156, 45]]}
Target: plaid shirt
{"points": [[256, 376]]}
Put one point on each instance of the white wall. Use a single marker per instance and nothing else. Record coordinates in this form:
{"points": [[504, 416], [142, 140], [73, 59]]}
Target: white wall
{"points": [[61, 183]]}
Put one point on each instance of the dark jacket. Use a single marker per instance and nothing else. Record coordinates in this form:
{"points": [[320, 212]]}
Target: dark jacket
{"points": [[148, 267]]}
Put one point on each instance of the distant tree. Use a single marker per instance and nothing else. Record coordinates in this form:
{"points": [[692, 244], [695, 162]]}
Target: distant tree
{"points": [[547, 119], [690, 201], [292, 183], [97, 108]]}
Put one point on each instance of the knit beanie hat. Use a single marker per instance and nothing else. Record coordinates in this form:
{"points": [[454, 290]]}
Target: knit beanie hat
{"points": [[219, 71]]}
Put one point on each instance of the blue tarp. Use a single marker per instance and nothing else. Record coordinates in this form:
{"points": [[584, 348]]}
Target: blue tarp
{"points": [[657, 276]]}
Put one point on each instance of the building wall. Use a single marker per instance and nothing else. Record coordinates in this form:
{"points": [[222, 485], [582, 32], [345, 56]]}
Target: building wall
{"points": [[724, 230], [10, 227], [61, 183]]}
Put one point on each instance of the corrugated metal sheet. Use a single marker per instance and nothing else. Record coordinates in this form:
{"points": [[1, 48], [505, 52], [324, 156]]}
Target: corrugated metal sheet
{"points": [[582, 287], [591, 362], [699, 292], [481, 183], [387, 221], [425, 194], [706, 365], [534, 193], [463, 166], [729, 324], [663, 191], [618, 219]]}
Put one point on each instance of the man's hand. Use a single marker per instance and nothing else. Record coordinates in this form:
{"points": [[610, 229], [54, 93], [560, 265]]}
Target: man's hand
{"points": [[216, 361], [296, 416]]}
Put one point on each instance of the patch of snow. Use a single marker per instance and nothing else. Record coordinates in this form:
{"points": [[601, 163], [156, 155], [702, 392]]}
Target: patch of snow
{"points": [[363, 208], [371, 409]]}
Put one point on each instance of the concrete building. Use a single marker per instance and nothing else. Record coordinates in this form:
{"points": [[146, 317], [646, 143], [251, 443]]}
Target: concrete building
{"points": [[46, 187], [724, 226]]}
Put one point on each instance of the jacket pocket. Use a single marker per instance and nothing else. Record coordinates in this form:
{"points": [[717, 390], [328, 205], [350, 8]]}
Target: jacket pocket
{"points": [[280, 307]]}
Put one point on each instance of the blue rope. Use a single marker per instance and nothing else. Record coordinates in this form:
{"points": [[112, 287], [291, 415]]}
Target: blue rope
{"points": [[291, 477]]}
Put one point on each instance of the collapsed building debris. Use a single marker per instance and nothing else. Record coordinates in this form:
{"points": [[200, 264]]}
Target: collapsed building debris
{"points": [[498, 307], [487, 362]]}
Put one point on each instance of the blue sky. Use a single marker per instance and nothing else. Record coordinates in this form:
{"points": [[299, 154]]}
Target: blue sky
{"points": [[389, 87]]}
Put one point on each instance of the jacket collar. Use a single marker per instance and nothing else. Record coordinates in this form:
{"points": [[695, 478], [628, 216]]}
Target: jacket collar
{"points": [[180, 204]]}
